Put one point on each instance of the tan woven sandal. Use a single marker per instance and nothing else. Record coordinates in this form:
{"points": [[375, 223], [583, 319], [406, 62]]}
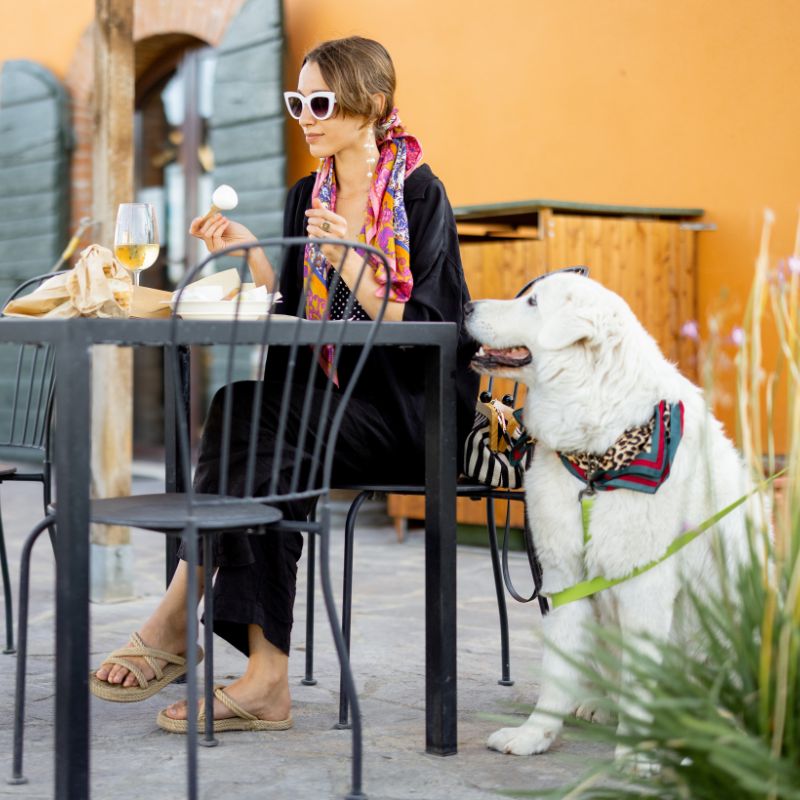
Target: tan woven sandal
{"points": [[243, 721], [117, 693]]}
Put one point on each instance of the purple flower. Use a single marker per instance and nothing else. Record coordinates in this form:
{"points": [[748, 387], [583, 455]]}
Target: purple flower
{"points": [[794, 265], [690, 330], [737, 336], [777, 277]]}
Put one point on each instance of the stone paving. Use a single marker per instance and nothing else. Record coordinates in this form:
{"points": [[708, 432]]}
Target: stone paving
{"points": [[132, 759]]}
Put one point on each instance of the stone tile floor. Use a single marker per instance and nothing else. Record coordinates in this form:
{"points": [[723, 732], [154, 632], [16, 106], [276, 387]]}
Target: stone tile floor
{"points": [[132, 759]]}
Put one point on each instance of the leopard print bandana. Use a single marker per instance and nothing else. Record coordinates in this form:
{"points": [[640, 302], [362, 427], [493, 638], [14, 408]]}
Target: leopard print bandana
{"points": [[640, 459]]}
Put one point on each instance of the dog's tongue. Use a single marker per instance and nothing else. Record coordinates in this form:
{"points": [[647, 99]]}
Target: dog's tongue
{"points": [[514, 353], [507, 357]]}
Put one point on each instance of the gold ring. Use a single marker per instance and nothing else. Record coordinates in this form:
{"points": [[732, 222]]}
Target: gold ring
{"points": [[326, 226]]}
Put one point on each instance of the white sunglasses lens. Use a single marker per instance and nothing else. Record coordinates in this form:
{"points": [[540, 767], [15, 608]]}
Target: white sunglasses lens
{"points": [[321, 106], [295, 106]]}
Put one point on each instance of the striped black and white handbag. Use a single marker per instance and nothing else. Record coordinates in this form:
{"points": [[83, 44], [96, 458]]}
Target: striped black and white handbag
{"points": [[498, 449]]}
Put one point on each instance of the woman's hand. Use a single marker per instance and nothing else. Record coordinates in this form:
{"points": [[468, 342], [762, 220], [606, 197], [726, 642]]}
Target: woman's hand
{"points": [[218, 232], [326, 224]]}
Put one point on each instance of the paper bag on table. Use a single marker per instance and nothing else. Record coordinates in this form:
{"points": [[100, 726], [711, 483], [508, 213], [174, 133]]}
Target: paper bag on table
{"points": [[96, 287], [150, 303]]}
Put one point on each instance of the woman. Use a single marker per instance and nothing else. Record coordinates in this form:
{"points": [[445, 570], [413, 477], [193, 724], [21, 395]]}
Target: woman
{"points": [[345, 106]]}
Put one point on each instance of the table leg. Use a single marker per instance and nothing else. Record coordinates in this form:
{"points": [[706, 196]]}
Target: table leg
{"points": [[176, 479], [72, 448], [440, 550]]}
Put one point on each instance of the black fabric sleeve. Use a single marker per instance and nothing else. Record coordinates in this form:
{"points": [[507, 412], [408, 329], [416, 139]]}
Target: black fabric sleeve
{"points": [[438, 293], [440, 289], [291, 274]]}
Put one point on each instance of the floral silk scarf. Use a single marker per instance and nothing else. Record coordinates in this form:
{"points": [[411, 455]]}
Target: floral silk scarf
{"points": [[385, 226]]}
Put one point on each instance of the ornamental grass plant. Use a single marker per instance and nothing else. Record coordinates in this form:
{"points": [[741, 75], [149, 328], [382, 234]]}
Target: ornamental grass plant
{"points": [[723, 720]]}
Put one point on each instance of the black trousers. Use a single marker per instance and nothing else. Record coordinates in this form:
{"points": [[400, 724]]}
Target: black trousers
{"points": [[257, 574]]}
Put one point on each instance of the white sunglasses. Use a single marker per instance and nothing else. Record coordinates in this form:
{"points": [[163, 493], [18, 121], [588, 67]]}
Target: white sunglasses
{"points": [[320, 104]]}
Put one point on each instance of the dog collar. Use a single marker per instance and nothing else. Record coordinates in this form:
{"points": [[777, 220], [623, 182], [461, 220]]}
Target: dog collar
{"points": [[639, 460]]}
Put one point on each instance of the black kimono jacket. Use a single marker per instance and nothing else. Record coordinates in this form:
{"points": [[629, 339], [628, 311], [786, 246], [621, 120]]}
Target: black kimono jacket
{"points": [[393, 380]]}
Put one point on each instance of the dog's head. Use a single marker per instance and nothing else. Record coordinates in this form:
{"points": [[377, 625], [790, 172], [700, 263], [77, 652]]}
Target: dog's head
{"points": [[560, 312]]}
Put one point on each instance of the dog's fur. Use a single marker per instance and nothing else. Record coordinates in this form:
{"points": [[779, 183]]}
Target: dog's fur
{"points": [[593, 373]]}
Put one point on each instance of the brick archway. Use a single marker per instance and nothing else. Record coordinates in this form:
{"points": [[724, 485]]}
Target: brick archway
{"points": [[159, 29]]}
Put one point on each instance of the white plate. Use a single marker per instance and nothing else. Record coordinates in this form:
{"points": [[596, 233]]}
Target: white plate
{"points": [[216, 315], [222, 309]]}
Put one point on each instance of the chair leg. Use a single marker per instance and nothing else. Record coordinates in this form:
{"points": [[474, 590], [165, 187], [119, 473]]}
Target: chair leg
{"points": [[344, 663], [190, 541], [309, 679], [208, 739], [347, 595], [6, 593], [505, 657], [47, 497], [22, 656]]}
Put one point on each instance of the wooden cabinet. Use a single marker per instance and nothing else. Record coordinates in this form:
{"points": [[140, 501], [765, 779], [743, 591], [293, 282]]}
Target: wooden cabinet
{"points": [[647, 255]]}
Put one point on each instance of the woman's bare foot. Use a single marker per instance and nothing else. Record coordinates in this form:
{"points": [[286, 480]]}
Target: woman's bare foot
{"points": [[165, 630], [270, 701], [159, 633], [263, 690]]}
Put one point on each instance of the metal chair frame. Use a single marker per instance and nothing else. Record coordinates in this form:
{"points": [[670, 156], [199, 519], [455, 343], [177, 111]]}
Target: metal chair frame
{"points": [[188, 513], [500, 569], [28, 432], [474, 491]]}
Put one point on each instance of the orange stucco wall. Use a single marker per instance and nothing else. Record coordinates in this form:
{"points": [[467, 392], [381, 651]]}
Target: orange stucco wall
{"points": [[46, 31], [665, 102], [661, 103]]}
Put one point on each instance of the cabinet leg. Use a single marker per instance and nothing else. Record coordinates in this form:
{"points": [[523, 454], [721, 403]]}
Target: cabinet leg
{"points": [[401, 528]]}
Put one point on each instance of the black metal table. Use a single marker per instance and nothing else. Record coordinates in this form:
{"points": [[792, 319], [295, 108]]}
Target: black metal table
{"points": [[72, 340]]}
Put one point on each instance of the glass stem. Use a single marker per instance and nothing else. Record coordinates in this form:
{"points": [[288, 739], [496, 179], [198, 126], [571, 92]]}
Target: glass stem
{"points": [[136, 273]]}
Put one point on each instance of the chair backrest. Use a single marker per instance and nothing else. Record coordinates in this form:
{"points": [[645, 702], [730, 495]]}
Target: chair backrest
{"points": [[28, 387], [304, 401]]}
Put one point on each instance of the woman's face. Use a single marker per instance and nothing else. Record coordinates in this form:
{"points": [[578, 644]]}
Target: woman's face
{"points": [[329, 136]]}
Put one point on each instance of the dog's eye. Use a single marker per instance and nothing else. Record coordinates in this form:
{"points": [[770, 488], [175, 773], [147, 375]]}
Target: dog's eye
{"points": [[532, 300]]}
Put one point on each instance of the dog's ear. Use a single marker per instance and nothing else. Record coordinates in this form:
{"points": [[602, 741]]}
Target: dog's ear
{"points": [[566, 326]]}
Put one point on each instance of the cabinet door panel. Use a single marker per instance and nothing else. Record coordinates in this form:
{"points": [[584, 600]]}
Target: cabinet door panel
{"points": [[649, 262]]}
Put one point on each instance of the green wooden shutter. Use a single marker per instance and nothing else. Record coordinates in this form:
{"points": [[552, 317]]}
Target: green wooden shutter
{"points": [[35, 145], [247, 133], [247, 137]]}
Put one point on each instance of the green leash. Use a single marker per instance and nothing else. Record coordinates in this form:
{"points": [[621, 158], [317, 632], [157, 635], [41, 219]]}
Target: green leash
{"points": [[595, 585]]}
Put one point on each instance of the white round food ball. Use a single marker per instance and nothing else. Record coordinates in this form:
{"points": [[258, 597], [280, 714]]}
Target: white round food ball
{"points": [[225, 197]]}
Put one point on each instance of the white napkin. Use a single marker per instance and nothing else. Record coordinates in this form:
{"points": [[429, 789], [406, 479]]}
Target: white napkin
{"points": [[255, 294], [206, 294]]}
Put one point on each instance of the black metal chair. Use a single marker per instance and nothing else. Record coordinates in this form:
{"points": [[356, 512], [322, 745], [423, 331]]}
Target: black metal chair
{"points": [[26, 430], [500, 569], [313, 431]]}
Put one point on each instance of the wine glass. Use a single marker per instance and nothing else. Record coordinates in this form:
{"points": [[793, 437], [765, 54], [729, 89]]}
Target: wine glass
{"points": [[136, 237]]}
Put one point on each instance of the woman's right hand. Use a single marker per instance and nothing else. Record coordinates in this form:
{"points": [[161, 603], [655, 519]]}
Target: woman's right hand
{"points": [[219, 232]]}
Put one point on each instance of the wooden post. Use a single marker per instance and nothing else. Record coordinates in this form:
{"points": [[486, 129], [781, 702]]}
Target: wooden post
{"points": [[112, 367]]}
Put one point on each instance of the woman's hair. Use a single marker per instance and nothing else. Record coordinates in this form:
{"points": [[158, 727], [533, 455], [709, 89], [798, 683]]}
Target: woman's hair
{"points": [[355, 68]]}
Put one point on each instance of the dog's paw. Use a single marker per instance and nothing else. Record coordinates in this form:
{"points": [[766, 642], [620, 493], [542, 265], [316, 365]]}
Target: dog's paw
{"points": [[522, 741], [592, 712], [636, 763]]}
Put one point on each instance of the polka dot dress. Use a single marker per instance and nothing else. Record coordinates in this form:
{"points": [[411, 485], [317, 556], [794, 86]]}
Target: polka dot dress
{"points": [[341, 297]]}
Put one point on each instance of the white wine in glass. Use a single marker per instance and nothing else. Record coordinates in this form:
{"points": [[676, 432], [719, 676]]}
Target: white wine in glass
{"points": [[136, 237]]}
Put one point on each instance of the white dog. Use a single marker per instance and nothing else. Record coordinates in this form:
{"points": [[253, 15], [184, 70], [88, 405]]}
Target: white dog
{"points": [[593, 373]]}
